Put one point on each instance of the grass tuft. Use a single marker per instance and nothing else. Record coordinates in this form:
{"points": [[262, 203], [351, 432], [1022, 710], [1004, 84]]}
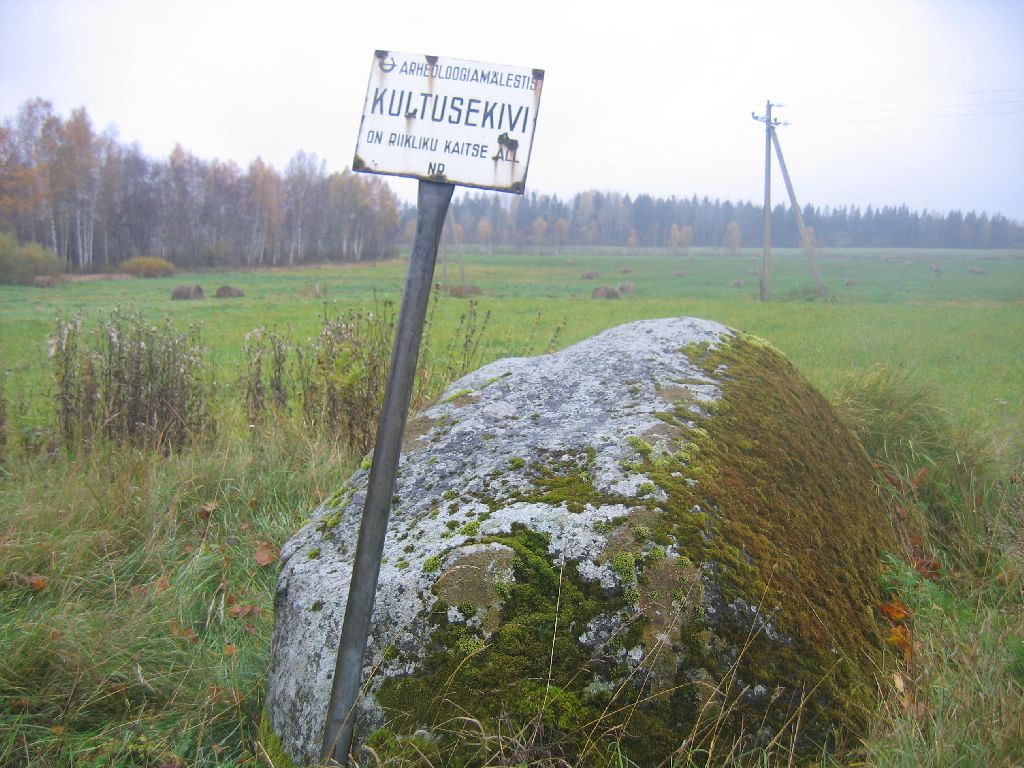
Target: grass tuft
{"points": [[939, 473], [130, 381]]}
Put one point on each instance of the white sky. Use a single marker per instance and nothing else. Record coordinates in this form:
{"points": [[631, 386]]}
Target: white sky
{"points": [[639, 96]]}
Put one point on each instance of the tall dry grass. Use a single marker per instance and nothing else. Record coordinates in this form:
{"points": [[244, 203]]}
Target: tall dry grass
{"points": [[955, 696], [334, 384], [126, 380]]}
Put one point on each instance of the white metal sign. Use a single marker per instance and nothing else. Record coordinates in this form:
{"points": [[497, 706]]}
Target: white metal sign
{"points": [[449, 120]]}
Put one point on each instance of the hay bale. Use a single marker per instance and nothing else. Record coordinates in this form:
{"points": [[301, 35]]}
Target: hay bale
{"points": [[849, 281], [44, 281], [627, 271], [737, 283], [463, 291], [186, 292], [679, 273], [229, 292], [625, 287], [604, 292], [588, 275]]}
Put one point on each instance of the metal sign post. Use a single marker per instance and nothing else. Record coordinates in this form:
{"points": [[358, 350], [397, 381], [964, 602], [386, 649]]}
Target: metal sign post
{"points": [[432, 205], [445, 122]]}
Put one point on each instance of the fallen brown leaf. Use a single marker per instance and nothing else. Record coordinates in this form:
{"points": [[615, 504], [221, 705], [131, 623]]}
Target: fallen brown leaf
{"points": [[928, 567], [37, 582], [895, 611], [897, 680], [265, 554], [899, 637], [186, 633]]}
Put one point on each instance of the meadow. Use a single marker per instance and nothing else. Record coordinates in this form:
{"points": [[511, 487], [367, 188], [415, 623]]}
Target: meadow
{"points": [[953, 318], [136, 587]]}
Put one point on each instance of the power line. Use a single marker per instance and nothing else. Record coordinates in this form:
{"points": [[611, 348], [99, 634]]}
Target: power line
{"points": [[920, 107], [910, 97], [836, 119]]}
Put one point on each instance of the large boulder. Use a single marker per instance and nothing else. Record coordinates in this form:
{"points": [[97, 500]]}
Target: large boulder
{"points": [[662, 533]]}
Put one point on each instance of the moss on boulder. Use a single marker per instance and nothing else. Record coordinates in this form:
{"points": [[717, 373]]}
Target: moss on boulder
{"points": [[663, 533]]}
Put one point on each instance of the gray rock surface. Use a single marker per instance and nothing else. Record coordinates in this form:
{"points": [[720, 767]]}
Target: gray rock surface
{"points": [[595, 394], [468, 474]]}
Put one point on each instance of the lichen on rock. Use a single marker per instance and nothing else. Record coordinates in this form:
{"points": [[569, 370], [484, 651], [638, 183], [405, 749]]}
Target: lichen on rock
{"points": [[661, 533]]}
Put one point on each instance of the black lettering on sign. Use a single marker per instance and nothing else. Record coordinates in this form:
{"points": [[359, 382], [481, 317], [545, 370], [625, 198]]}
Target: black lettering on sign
{"points": [[472, 109], [456, 117], [488, 118], [467, 148], [454, 110], [435, 169], [439, 118], [515, 120], [504, 154], [395, 105]]}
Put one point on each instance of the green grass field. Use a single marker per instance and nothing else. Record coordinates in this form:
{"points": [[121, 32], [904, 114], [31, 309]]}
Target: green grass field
{"points": [[957, 329], [136, 589]]}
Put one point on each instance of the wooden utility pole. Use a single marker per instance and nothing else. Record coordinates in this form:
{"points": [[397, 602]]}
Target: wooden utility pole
{"points": [[806, 239], [766, 254]]}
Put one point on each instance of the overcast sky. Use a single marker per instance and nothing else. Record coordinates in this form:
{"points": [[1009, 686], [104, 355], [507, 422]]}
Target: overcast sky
{"points": [[891, 101]]}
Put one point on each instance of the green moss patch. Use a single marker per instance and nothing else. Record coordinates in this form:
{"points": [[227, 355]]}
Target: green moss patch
{"points": [[742, 612], [785, 515], [567, 481], [271, 745], [513, 674]]}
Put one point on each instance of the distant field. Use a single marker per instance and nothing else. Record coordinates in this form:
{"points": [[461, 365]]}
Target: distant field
{"points": [[954, 318]]}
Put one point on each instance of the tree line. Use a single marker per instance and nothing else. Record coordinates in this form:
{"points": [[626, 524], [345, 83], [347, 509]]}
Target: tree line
{"points": [[95, 201], [609, 218]]}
